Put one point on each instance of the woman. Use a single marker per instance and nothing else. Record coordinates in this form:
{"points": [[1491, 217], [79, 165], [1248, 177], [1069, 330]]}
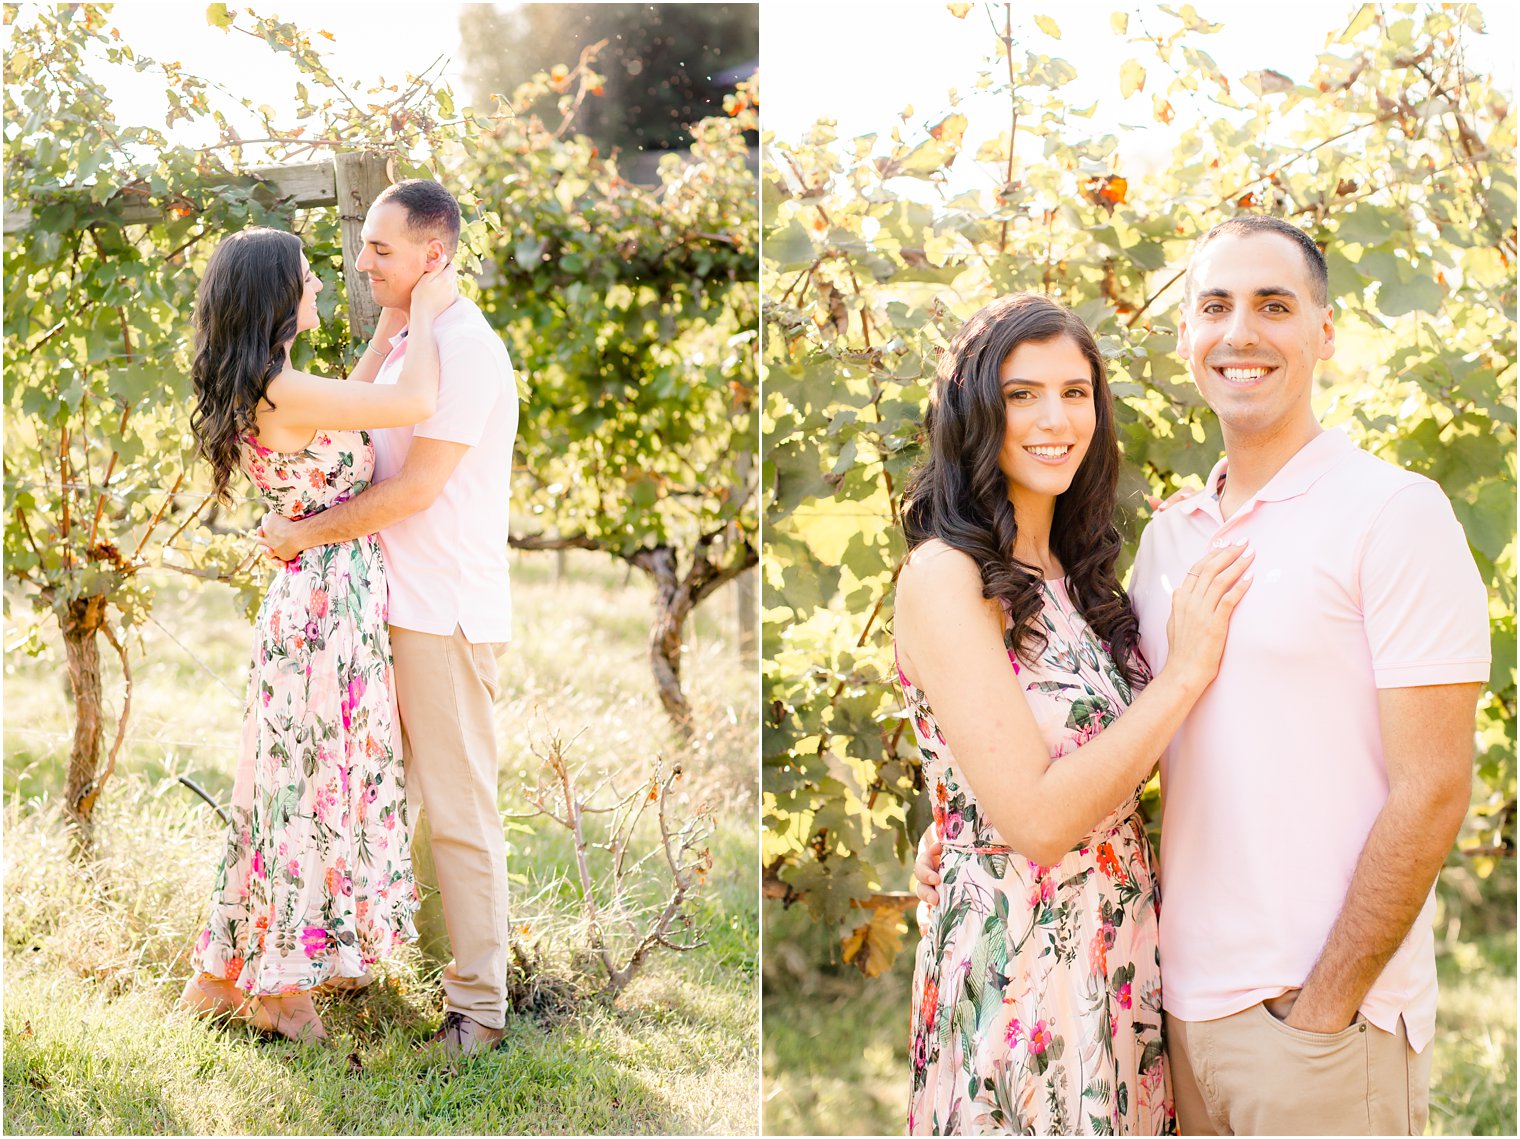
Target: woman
{"points": [[1037, 989], [316, 881]]}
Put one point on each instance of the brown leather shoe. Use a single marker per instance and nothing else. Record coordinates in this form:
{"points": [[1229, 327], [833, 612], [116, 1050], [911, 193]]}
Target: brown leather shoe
{"points": [[464, 1036]]}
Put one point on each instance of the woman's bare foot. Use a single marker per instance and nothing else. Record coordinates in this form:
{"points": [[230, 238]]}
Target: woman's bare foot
{"points": [[346, 984], [206, 995], [292, 1015]]}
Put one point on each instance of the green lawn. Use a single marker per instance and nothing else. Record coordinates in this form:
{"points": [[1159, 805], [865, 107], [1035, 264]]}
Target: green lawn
{"points": [[95, 953], [836, 1044]]}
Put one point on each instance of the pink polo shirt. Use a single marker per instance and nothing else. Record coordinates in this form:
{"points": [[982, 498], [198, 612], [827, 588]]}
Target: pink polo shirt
{"points": [[1363, 581], [447, 565]]}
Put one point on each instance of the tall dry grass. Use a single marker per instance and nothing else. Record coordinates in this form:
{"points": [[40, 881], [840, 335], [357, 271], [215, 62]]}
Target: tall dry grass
{"points": [[96, 950]]}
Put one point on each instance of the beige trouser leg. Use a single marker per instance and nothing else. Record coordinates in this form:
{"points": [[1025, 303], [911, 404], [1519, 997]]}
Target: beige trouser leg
{"points": [[445, 687], [1192, 1106], [1251, 1074]]}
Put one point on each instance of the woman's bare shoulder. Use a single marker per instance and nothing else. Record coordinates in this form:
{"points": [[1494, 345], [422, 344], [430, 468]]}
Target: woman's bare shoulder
{"points": [[935, 575], [936, 564]]}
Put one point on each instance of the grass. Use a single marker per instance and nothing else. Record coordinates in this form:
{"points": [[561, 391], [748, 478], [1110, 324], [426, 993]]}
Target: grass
{"points": [[95, 953], [836, 1044]]}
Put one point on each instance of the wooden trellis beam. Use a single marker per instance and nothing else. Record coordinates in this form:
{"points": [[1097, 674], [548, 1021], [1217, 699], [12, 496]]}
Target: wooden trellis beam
{"points": [[305, 184], [353, 179]]}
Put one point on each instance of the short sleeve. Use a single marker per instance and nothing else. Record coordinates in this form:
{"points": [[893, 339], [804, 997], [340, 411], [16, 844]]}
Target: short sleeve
{"points": [[473, 375], [1424, 604]]}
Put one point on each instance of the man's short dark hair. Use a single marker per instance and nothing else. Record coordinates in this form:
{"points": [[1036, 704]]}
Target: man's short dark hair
{"points": [[1248, 224], [431, 211]]}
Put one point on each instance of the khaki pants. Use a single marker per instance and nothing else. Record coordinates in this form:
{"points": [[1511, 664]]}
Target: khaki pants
{"points": [[445, 687], [1251, 1074]]}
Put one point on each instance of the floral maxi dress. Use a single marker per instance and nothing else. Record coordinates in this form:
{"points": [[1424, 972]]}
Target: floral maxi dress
{"points": [[1037, 989], [316, 880]]}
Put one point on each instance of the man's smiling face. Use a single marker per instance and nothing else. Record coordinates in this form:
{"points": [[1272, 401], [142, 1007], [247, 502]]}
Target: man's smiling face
{"points": [[1252, 332], [393, 258]]}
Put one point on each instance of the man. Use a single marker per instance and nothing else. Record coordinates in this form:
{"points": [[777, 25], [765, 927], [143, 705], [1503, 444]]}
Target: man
{"points": [[439, 504], [1312, 794]]}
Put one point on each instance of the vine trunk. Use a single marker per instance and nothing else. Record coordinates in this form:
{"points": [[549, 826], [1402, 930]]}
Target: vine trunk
{"points": [[81, 621]]}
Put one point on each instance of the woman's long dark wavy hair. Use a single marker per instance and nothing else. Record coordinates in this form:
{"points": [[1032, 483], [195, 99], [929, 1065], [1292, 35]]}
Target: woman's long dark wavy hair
{"points": [[959, 494], [246, 311]]}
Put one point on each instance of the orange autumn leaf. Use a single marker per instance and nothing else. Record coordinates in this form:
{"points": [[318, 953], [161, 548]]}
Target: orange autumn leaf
{"points": [[958, 10], [1108, 191], [872, 947], [949, 130]]}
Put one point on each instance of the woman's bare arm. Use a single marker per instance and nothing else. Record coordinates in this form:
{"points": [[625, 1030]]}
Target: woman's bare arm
{"points": [[951, 638]]}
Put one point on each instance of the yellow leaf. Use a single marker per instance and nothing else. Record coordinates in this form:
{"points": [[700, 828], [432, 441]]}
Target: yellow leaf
{"points": [[938, 250], [949, 130], [1048, 26], [1119, 22], [958, 10], [994, 149], [873, 947], [1162, 109], [1131, 78], [1359, 23]]}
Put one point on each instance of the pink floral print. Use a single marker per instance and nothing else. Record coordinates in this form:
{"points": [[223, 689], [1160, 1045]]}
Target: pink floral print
{"points": [[316, 879], [1037, 989]]}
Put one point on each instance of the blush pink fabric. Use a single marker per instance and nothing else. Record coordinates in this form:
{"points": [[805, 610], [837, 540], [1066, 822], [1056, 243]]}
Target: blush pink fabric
{"points": [[447, 565], [1363, 581]]}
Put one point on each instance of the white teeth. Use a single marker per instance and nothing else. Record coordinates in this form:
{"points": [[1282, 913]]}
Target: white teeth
{"points": [[1048, 452], [1242, 375]]}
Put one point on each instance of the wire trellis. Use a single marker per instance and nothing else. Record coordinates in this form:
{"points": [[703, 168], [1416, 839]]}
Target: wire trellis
{"points": [[238, 696], [122, 495]]}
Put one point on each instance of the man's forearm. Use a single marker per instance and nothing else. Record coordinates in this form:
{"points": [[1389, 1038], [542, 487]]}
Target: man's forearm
{"points": [[384, 504], [1403, 854]]}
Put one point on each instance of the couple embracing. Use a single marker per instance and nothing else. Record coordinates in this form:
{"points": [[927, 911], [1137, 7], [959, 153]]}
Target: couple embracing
{"points": [[377, 640], [1301, 649]]}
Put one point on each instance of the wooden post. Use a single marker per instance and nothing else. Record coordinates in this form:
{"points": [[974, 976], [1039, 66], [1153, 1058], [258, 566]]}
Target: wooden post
{"points": [[746, 610], [360, 177]]}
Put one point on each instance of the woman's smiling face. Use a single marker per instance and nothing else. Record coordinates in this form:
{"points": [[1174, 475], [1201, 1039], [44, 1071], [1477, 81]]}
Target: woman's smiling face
{"points": [[308, 317], [1050, 415]]}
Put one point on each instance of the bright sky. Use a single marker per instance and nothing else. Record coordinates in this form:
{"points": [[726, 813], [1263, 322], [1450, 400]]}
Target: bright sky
{"points": [[860, 63], [863, 63], [371, 41]]}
